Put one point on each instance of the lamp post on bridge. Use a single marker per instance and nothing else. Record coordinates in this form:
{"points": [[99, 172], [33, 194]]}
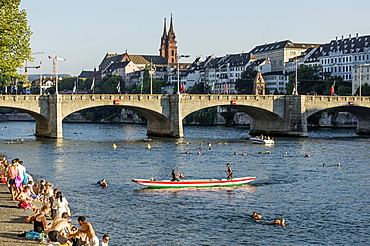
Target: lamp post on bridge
{"points": [[178, 71], [296, 77]]}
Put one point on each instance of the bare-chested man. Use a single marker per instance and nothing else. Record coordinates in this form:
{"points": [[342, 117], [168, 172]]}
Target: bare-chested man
{"points": [[87, 228], [56, 229], [25, 201]]}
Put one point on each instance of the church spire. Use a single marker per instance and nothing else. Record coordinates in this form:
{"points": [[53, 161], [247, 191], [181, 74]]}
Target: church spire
{"points": [[164, 29], [168, 47], [171, 31]]}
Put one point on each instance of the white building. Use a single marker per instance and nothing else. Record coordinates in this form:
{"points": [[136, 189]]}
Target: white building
{"points": [[339, 56], [360, 76]]}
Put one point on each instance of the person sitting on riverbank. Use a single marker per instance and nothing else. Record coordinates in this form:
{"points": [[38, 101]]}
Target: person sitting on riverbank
{"points": [[31, 192], [87, 228], [40, 224], [56, 232], [25, 201]]}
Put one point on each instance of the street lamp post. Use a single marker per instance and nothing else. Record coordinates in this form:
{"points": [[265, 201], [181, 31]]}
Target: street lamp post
{"points": [[151, 72], [360, 78], [296, 78], [360, 67], [178, 71]]}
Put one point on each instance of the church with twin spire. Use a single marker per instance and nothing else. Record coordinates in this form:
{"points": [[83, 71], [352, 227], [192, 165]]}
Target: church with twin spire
{"points": [[168, 48], [126, 64]]}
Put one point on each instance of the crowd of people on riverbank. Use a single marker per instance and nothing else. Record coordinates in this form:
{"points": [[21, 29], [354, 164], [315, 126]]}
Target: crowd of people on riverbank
{"points": [[50, 207]]}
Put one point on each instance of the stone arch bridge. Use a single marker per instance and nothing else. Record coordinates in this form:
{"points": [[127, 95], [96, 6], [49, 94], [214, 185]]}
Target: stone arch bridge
{"points": [[272, 114]]}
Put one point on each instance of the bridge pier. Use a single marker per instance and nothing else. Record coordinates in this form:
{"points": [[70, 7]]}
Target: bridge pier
{"points": [[50, 127], [292, 121], [363, 127], [171, 125]]}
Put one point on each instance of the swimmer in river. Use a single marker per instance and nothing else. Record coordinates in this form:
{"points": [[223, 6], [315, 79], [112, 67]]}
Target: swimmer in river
{"points": [[256, 216], [103, 183]]}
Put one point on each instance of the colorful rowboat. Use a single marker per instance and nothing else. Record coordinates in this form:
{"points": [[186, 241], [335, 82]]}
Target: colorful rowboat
{"points": [[193, 183]]}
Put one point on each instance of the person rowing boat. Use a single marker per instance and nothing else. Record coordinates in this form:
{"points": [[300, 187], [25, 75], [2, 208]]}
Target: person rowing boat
{"points": [[176, 176], [229, 172]]}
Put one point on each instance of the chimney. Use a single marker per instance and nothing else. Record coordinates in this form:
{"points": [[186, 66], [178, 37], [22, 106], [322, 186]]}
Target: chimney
{"points": [[349, 36]]}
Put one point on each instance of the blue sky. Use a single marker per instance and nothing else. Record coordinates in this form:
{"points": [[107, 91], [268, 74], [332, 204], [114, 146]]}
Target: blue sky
{"points": [[84, 31]]}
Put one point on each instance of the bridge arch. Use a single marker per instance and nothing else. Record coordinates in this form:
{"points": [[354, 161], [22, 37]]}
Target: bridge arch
{"points": [[32, 105], [154, 119], [260, 116], [357, 106]]}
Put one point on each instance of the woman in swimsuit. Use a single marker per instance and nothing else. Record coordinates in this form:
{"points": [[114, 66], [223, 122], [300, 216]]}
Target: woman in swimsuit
{"points": [[40, 224]]}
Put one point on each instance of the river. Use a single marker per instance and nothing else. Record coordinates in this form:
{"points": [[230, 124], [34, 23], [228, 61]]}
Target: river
{"points": [[321, 205]]}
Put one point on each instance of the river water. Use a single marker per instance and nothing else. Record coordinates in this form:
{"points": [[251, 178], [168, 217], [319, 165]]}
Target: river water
{"points": [[322, 205]]}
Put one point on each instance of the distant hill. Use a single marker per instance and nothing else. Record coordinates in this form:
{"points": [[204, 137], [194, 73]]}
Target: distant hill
{"points": [[32, 77]]}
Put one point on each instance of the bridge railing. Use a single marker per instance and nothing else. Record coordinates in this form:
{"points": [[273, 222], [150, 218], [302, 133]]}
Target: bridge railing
{"points": [[229, 97], [19, 97], [336, 98], [136, 97]]}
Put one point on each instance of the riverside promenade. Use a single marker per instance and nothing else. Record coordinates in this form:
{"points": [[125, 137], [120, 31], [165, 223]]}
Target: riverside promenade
{"points": [[11, 221]]}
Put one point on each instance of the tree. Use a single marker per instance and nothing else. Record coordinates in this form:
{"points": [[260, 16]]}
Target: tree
{"points": [[309, 79], [365, 90], [198, 88], [244, 85], [15, 37], [156, 84], [108, 85], [342, 88]]}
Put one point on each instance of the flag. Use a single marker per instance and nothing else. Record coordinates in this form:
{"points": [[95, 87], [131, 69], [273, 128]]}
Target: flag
{"points": [[141, 86], [92, 84], [213, 86], [225, 89], [74, 88], [182, 88], [119, 88]]}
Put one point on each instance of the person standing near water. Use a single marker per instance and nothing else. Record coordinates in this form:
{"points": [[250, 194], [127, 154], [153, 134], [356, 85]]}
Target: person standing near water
{"points": [[87, 228]]}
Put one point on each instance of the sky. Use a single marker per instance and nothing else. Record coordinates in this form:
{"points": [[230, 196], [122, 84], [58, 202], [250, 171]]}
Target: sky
{"points": [[82, 32]]}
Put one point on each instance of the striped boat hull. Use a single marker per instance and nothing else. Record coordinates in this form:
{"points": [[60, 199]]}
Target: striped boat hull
{"points": [[193, 183]]}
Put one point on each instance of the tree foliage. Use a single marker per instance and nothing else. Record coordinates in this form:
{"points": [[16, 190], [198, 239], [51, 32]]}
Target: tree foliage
{"points": [[156, 84], [15, 35], [229, 116], [198, 88], [365, 90], [310, 81], [205, 116], [244, 85], [108, 85]]}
